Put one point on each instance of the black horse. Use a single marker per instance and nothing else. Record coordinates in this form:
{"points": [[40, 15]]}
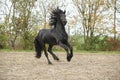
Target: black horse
{"points": [[55, 36]]}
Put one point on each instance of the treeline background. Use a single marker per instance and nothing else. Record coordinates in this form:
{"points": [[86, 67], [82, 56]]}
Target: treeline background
{"points": [[91, 24]]}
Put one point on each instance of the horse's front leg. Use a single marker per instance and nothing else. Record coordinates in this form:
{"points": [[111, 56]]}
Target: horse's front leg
{"points": [[50, 51], [66, 47], [71, 50]]}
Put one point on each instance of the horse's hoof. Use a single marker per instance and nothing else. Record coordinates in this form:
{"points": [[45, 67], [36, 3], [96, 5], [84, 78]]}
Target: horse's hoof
{"points": [[50, 63], [37, 56], [69, 58], [56, 59]]}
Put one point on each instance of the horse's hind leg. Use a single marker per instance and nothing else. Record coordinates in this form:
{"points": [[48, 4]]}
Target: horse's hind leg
{"points": [[50, 51], [46, 54]]}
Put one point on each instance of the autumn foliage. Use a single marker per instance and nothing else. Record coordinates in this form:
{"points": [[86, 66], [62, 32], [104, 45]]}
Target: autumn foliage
{"points": [[113, 44]]}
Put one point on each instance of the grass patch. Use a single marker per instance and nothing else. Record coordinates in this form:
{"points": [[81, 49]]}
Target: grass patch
{"points": [[97, 52], [11, 50], [63, 51]]}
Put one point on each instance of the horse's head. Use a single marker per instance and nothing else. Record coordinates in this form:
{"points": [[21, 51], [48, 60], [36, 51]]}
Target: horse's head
{"points": [[62, 17], [58, 15]]}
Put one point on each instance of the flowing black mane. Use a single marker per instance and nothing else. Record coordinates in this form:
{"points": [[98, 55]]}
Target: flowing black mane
{"points": [[55, 14]]}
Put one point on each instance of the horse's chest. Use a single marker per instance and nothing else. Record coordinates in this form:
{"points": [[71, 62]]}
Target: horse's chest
{"points": [[63, 36]]}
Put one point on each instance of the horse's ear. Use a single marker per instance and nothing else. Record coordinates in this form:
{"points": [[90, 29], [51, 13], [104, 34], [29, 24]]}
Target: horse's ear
{"points": [[64, 11]]}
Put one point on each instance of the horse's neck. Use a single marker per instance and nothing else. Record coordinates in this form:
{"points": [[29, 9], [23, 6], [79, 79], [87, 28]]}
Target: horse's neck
{"points": [[60, 27]]}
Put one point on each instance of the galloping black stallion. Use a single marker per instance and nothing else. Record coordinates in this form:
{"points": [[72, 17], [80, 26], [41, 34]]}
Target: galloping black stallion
{"points": [[55, 36]]}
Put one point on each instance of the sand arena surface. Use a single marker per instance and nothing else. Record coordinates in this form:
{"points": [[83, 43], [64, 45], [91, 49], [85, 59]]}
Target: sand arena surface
{"points": [[24, 66]]}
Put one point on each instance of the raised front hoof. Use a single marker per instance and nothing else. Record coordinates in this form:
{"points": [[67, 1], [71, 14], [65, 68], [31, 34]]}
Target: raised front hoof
{"points": [[69, 57]]}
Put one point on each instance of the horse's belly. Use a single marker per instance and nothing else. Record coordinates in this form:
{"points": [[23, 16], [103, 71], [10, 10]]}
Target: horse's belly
{"points": [[51, 41]]}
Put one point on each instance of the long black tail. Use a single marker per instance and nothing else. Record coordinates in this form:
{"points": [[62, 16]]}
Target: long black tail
{"points": [[38, 48]]}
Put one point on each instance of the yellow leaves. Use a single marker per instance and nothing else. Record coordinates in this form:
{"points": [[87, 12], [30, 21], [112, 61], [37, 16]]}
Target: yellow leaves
{"points": [[101, 2], [113, 31], [6, 18], [21, 21], [72, 22]]}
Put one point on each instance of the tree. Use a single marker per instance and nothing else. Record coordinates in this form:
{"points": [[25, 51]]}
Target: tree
{"points": [[115, 19], [18, 19], [7, 23], [24, 10], [118, 11], [91, 13]]}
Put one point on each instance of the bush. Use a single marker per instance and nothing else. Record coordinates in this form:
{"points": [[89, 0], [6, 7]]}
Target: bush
{"points": [[97, 43], [3, 38], [76, 42], [92, 43], [26, 43]]}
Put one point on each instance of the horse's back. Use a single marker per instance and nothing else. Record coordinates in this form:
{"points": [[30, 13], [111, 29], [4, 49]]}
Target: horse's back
{"points": [[46, 36]]}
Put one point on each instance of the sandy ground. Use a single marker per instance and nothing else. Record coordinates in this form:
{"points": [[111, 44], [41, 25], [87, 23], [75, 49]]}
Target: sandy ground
{"points": [[24, 66]]}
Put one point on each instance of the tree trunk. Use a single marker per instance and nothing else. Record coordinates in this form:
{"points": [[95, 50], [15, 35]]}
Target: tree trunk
{"points": [[114, 19]]}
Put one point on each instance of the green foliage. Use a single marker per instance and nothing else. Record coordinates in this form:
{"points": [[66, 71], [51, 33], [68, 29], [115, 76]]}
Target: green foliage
{"points": [[3, 38], [26, 42], [95, 43], [76, 42], [92, 43]]}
